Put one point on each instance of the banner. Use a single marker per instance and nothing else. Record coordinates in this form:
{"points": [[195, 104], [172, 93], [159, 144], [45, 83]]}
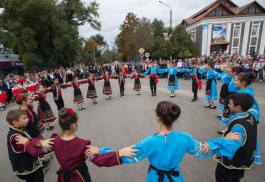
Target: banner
{"points": [[219, 31]]}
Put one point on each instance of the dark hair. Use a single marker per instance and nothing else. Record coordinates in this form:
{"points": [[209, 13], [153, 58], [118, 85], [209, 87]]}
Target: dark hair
{"points": [[210, 63], [14, 115], [247, 77], [38, 86], [244, 100], [168, 112], [20, 98], [66, 119], [237, 69]]}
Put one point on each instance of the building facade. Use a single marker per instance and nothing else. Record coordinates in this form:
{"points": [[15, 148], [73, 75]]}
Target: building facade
{"points": [[224, 27]]}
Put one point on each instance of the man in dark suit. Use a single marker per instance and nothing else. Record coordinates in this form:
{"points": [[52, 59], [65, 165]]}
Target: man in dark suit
{"points": [[117, 69], [7, 87]]}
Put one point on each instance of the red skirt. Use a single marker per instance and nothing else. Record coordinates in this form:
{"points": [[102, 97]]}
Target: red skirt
{"points": [[3, 98]]}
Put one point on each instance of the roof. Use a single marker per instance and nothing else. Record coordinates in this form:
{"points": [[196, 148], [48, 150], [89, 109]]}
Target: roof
{"points": [[220, 42], [230, 7], [9, 58]]}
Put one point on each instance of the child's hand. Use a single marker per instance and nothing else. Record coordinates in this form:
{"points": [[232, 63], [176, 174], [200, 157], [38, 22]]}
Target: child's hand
{"points": [[21, 140], [128, 151], [91, 150], [233, 136], [47, 143], [205, 149]]}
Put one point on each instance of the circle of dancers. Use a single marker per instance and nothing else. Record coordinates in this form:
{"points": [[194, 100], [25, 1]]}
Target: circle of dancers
{"points": [[236, 151]]}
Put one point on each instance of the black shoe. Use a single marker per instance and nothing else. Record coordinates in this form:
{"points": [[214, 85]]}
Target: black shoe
{"points": [[50, 128], [219, 117], [194, 100], [207, 106], [220, 132], [212, 107]]}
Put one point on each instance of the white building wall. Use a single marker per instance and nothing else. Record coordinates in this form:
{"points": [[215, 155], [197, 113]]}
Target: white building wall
{"points": [[245, 39], [262, 41], [228, 35]]}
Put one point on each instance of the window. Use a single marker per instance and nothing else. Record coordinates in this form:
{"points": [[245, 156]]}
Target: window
{"points": [[258, 10], [193, 34], [219, 12], [252, 10], [236, 31], [255, 29]]}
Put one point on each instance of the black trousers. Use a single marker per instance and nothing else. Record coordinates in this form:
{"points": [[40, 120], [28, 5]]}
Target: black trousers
{"points": [[195, 88], [223, 174], [59, 103], [122, 89], [153, 85], [36, 176], [9, 95]]}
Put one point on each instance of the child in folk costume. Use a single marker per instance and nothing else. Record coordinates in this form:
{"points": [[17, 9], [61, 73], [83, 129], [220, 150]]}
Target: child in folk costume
{"points": [[239, 155], [235, 70], [24, 156], [107, 87], [224, 93], [121, 79], [243, 82], [45, 112], [91, 90], [57, 92], [78, 96], [153, 77], [72, 160], [172, 78], [35, 128], [196, 79], [165, 145], [137, 82], [211, 93]]}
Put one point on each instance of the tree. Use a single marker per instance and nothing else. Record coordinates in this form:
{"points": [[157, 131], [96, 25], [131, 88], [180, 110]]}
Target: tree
{"points": [[135, 33], [158, 27], [180, 43], [44, 30], [75, 12]]}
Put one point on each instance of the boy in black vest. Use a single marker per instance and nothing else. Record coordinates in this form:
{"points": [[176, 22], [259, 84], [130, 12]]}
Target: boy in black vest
{"points": [[24, 158], [234, 157], [57, 93], [196, 80]]}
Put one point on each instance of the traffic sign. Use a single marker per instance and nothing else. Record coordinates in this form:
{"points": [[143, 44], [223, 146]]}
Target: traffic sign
{"points": [[147, 54], [141, 55], [141, 50]]}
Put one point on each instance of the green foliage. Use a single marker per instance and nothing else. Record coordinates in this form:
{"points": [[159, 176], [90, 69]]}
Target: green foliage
{"points": [[46, 30], [158, 27], [180, 43], [135, 33]]}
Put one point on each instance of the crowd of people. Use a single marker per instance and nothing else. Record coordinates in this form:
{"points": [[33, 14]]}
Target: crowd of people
{"points": [[235, 152]]}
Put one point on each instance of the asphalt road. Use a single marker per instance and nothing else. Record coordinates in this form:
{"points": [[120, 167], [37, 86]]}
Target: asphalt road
{"points": [[123, 121]]}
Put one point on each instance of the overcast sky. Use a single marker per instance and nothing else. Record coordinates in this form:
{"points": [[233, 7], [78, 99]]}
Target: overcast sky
{"points": [[113, 12]]}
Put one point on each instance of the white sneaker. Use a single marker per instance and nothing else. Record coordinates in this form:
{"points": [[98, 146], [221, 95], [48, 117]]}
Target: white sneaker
{"points": [[260, 80]]}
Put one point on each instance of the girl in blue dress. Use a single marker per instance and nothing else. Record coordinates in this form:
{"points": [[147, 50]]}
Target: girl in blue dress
{"points": [[168, 144], [172, 78], [211, 93]]}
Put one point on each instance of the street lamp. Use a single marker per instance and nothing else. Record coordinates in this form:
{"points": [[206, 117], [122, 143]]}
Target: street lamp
{"points": [[170, 15]]}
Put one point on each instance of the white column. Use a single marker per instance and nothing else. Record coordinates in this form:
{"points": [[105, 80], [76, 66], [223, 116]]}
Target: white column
{"points": [[209, 39], [204, 39], [245, 38], [262, 41], [228, 35]]}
